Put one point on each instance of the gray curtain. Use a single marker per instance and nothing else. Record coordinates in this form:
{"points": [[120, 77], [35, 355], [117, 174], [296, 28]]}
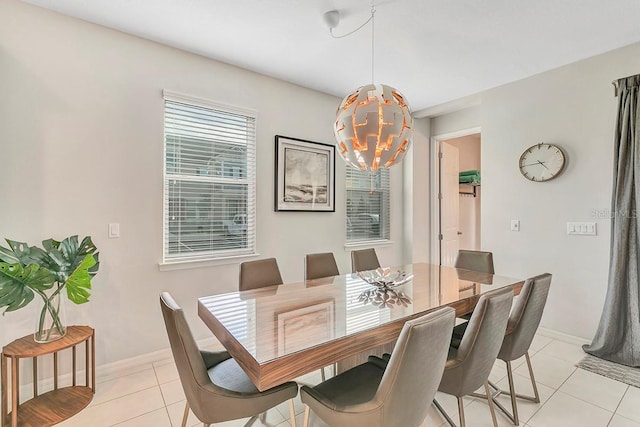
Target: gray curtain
{"points": [[618, 336]]}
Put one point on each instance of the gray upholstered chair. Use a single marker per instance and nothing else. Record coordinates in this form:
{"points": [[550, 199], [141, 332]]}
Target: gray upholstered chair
{"points": [[468, 366], [475, 260], [216, 387], [259, 273], [521, 328], [364, 259], [321, 265], [371, 396]]}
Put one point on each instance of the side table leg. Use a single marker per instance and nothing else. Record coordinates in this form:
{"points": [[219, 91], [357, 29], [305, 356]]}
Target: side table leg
{"points": [[15, 394], [93, 361], [3, 392], [55, 370], [35, 377]]}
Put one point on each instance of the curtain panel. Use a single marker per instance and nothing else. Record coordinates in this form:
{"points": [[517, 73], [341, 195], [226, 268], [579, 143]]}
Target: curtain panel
{"points": [[618, 336]]}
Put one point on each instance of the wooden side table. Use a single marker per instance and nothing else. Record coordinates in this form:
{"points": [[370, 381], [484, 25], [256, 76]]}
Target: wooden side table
{"points": [[58, 404]]}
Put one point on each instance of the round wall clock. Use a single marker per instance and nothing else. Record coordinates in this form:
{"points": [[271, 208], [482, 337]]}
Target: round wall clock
{"points": [[542, 162]]}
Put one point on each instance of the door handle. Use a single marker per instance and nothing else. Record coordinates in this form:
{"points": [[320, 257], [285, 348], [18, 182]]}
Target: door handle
{"points": [[459, 233]]}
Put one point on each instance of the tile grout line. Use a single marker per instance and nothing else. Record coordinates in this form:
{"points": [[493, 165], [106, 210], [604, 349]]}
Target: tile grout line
{"points": [[166, 407], [618, 406], [552, 394]]}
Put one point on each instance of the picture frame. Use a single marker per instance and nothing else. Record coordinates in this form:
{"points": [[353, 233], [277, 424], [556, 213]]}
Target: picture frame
{"points": [[304, 327], [304, 175]]}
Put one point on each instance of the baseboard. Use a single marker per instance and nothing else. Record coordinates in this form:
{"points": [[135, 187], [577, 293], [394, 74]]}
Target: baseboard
{"points": [[561, 336]]}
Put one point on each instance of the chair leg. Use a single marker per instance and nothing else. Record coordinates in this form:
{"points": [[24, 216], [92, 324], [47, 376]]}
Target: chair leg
{"points": [[305, 423], [292, 413], [536, 396], [512, 392], [446, 416], [186, 414], [490, 401], [251, 420], [513, 416], [461, 412]]}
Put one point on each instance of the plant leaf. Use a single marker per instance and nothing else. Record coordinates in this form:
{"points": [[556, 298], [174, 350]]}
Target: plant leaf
{"points": [[79, 282], [65, 256], [17, 282]]}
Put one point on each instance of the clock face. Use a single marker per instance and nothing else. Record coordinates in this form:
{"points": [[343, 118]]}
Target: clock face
{"points": [[541, 162]]}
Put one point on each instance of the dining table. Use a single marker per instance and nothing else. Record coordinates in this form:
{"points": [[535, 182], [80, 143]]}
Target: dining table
{"points": [[279, 333]]}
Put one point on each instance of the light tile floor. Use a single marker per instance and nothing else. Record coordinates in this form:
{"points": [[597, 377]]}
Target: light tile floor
{"points": [[151, 396]]}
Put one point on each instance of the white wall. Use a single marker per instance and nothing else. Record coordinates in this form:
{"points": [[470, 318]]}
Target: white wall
{"points": [[81, 134], [573, 107]]}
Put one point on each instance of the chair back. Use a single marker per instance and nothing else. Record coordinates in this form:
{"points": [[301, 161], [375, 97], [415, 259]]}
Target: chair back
{"points": [[414, 371], [186, 355], [259, 273], [525, 317], [480, 344], [320, 265], [364, 259], [475, 260]]}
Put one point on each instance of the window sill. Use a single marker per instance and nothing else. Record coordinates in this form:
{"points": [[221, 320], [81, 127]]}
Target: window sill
{"points": [[200, 263], [367, 244]]}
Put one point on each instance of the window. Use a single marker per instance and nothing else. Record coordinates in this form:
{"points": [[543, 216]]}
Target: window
{"points": [[209, 180], [367, 205]]}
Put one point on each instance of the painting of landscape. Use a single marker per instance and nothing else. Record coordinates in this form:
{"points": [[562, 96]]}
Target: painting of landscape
{"points": [[306, 176]]}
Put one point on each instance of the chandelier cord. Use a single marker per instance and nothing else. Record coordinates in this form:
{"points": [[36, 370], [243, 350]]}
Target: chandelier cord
{"points": [[351, 32], [373, 33]]}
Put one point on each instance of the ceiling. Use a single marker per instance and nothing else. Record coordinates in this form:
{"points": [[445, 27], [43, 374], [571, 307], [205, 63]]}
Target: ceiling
{"points": [[431, 51]]}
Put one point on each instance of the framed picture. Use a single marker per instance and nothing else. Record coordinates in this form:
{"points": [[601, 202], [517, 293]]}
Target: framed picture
{"points": [[305, 326], [305, 175]]}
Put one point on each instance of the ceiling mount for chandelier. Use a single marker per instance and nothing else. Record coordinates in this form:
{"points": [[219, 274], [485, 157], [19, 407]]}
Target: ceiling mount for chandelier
{"points": [[373, 125]]}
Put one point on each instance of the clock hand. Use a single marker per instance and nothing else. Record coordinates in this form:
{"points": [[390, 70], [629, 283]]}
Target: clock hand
{"points": [[545, 166], [530, 164]]}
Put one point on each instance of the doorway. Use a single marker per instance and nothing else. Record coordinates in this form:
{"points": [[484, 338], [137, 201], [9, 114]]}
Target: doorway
{"points": [[457, 196]]}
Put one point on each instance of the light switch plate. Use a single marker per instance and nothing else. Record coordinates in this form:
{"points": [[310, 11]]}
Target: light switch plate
{"points": [[114, 230], [582, 228], [515, 225]]}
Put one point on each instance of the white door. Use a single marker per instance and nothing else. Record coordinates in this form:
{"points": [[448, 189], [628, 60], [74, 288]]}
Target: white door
{"points": [[449, 203]]}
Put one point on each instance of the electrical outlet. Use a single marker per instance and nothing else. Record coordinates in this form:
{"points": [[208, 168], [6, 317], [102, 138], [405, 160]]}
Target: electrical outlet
{"points": [[515, 225]]}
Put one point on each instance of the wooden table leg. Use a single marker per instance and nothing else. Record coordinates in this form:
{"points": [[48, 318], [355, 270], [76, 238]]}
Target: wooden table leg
{"points": [[55, 370], [93, 361], [3, 392], [73, 368], [35, 377], [15, 393]]}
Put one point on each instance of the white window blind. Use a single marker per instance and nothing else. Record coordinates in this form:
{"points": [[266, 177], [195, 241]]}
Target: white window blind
{"points": [[209, 180], [367, 205]]}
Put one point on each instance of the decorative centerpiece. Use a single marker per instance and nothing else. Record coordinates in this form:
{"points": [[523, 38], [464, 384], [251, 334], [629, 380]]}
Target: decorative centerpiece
{"points": [[29, 270], [384, 298], [385, 278]]}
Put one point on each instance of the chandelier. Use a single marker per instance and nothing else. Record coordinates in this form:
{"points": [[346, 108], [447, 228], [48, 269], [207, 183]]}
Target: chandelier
{"points": [[373, 125]]}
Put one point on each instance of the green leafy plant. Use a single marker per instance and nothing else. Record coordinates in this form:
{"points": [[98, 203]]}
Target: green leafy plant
{"points": [[27, 271]]}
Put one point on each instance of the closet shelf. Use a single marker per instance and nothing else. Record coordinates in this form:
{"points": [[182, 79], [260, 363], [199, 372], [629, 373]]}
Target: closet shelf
{"points": [[473, 185]]}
